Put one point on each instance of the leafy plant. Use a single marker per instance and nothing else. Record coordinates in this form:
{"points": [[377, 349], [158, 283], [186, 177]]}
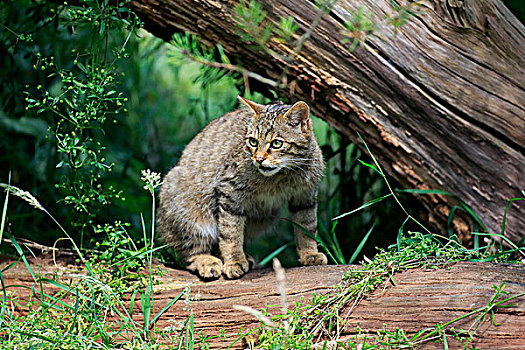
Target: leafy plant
{"points": [[75, 316], [286, 29], [310, 324], [81, 99], [358, 28], [250, 18]]}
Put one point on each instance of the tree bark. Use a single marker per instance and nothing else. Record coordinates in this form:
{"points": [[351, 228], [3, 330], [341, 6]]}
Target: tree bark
{"points": [[419, 299], [440, 101]]}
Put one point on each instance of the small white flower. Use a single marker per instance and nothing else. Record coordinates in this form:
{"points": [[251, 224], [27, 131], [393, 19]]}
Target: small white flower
{"points": [[152, 180]]}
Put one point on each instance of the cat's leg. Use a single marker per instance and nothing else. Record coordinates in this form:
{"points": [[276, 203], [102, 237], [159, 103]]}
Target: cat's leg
{"points": [[198, 250], [205, 265], [304, 211], [231, 241], [184, 224]]}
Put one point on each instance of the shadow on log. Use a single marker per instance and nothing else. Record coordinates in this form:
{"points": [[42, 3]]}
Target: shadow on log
{"points": [[440, 101], [419, 299]]}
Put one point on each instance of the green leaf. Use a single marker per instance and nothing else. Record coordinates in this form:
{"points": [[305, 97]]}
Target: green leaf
{"points": [[335, 243], [450, 218], [400, 234], [361, 245], [22, 255], [507, 206], [371, 166], [4, 211], [146, 306], [318, 239], [102, 29], [276, 252], [371, 155], [367, 204], [166, 308], [132, 301]]}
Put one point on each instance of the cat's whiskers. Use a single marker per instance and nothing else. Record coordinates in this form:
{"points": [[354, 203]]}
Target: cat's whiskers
{"points": [[297, 162], [295, 168]]}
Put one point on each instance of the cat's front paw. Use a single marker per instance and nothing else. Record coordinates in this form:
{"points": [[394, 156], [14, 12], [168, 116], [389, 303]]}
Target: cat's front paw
{"points": [[206, 266], [236, 268], [313, 258]]}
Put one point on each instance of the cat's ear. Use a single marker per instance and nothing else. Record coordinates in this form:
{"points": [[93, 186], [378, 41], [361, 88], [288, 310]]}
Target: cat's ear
{"points": [[255, 108], [299, 115]]}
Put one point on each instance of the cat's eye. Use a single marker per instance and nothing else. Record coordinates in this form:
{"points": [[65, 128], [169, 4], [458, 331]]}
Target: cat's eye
{"points": [[276, 144], [252, 142]]}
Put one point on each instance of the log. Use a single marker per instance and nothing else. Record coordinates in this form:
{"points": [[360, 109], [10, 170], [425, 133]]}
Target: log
{"points": [[419, 299], [440, 101]]}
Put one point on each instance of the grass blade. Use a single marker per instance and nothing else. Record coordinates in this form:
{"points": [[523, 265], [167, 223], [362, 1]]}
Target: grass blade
{"points": [[371, 167], [138, 255], [337, 247], [190, 333], [132, 301], [361, 245], [22, 255], [317, 238], [146, 306], [503, 238], [464, 205], [507, 206], [400, 234], [276, 252], [166, 308], [371, 155], [450, 218], [4, 297], [367, 204], [4, 211]]}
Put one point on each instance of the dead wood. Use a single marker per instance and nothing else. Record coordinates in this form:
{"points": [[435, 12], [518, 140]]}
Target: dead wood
{"points": [[418, 300], [441, 101]]}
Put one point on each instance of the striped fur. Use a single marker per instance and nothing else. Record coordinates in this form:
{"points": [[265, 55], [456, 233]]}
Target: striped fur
{"points": [[232, 180]]}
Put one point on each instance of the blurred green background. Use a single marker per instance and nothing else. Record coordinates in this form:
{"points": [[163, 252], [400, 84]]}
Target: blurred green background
{"points": [[168, 102]]}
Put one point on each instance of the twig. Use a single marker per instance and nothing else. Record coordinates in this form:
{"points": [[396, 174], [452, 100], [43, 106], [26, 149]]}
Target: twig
{"points": [[233, 68], [325, 8]]}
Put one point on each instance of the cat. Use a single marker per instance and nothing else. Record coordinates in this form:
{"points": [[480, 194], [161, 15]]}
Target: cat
{"points": [[232, 180]]}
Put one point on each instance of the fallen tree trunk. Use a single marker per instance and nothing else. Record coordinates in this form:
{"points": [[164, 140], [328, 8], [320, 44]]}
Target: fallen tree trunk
{"points": [[440, 101], [419, 299]]}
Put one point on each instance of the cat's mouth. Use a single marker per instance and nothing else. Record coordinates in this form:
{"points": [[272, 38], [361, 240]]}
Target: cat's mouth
{"points": [[267, 170]]}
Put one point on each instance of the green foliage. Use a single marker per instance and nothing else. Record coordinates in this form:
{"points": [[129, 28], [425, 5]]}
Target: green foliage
{"points": [[312, 323], [250, 19], [81, 98], [96, 111], [70, 94], [102, 103], [402, 13], [75, 316], [358, 28], [286, 29], [214, 64]]}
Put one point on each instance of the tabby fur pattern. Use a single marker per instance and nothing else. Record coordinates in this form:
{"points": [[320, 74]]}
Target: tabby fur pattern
{"points": [[231, 182]]}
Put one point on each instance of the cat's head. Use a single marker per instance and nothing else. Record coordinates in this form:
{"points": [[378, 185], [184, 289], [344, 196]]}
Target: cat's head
{"points": [[279, 136]]}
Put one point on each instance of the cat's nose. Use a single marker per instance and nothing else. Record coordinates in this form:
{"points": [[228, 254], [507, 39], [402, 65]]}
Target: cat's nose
{"points": [[259, 159]]}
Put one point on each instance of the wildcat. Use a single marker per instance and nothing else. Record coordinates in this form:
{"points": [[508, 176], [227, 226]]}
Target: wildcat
{"points": [[231, 182]]}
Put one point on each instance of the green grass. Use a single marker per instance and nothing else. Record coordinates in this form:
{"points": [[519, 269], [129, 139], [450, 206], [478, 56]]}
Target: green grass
{"points": [[318, 321], [76, 314], [90, 310]]}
